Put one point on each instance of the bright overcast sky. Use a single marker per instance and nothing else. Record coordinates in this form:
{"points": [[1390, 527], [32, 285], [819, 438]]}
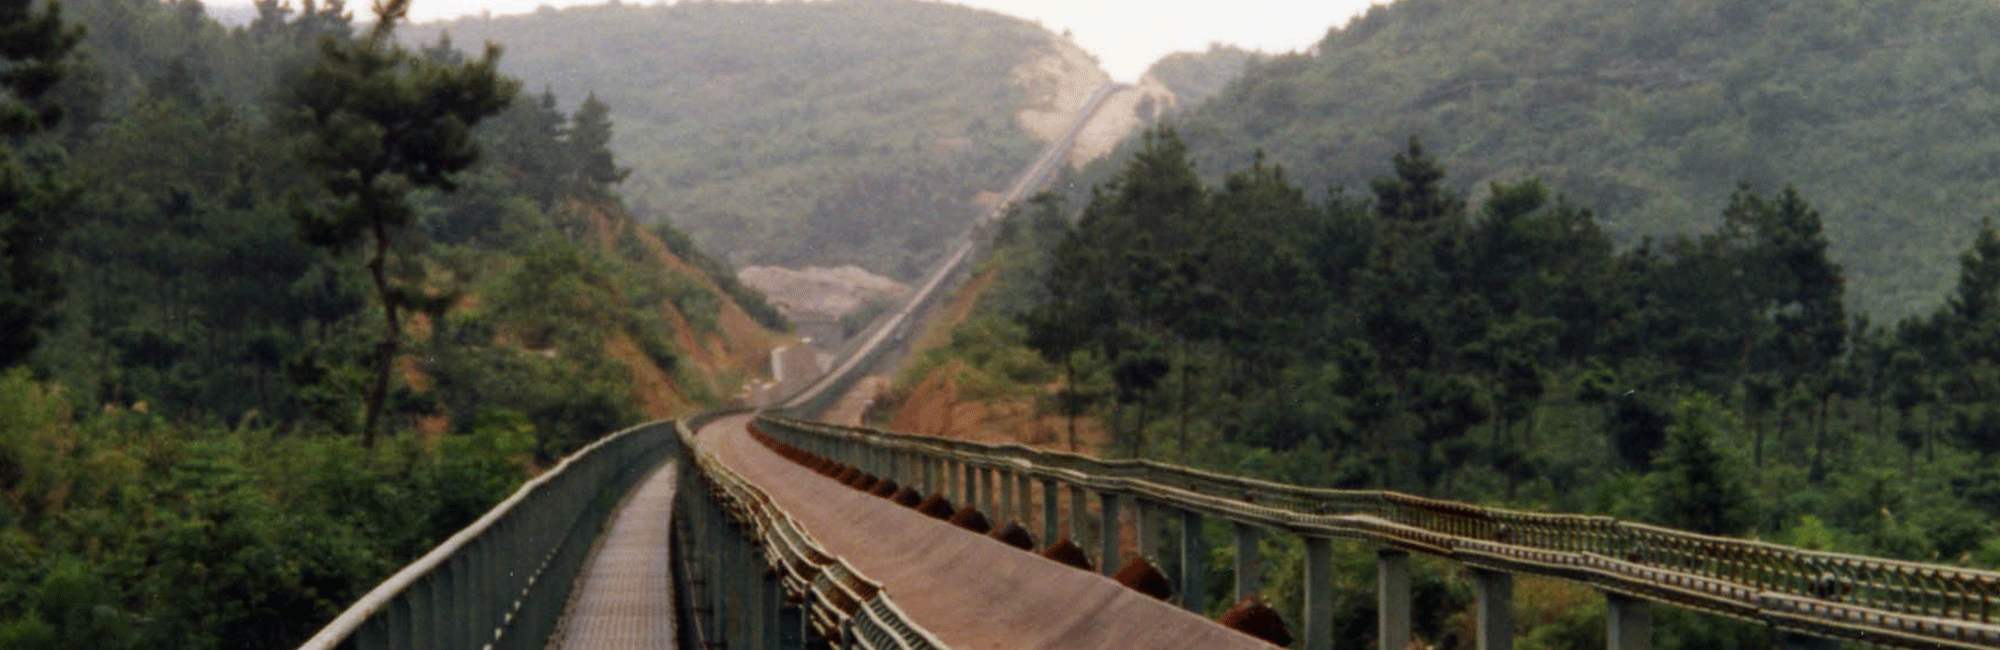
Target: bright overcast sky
{"points": [[1126, 35]]}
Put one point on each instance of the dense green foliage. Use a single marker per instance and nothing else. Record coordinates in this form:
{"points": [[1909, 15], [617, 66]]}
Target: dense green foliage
{"points": [[1505, 351], [121, 529], [197, 333], [30, 65], [1651, 112], [379, 122], [793, 133]]}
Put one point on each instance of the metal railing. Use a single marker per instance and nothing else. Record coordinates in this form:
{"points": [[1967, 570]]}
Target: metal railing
{"points": [[502, 581], [746, 597], [1832, 595]]}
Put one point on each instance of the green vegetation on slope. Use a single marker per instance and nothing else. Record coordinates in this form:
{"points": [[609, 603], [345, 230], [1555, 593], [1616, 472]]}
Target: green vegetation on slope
{"points": [[1651, 112], [852, 131], [191, 343], [1504, 351]]}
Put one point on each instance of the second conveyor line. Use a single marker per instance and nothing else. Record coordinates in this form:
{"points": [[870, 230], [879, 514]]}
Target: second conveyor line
{"points": [[970, 591]]}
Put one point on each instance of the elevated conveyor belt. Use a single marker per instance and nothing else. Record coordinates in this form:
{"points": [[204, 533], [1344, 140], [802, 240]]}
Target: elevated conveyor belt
{"points": [[971, 591]]}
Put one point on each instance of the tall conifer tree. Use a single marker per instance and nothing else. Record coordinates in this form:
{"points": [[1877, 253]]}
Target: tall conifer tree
{"points": [[381, 122], [32, 47]]}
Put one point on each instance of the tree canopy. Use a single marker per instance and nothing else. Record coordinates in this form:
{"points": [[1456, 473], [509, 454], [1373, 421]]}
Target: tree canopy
{"points": [[1651, 113], [794, 134]]}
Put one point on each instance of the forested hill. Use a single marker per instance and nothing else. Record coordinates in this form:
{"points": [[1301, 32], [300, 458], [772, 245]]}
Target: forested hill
{"points": [[1194, 76], [851, 131], [1651, 113], [283, 306]]}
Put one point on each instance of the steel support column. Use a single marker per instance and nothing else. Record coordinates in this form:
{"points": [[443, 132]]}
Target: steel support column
{"points": [[1392, 599], [1143, 536], [1077, 511], [1006, 506], [1318, 614], [1107, 533], [1628, 623], [1024, 509], [1495, 591], [971, 495], [1193, 588], [1246, 560], [1050, 525], [985, 492]]}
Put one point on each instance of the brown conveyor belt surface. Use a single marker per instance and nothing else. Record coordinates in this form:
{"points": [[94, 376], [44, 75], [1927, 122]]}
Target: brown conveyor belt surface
{"points": [[970, 591]]}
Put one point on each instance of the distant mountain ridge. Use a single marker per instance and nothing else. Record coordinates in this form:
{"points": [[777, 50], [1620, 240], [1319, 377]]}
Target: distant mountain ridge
{"points": [[822, 133], [1651, 113]]}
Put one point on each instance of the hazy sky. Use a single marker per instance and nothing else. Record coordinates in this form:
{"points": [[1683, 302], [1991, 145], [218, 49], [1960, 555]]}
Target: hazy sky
{"points": [[1126, 35]]}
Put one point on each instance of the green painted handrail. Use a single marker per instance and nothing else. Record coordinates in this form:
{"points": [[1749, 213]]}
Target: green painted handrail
{"points": [[1875, 600], [841, 603], [503, 580]]}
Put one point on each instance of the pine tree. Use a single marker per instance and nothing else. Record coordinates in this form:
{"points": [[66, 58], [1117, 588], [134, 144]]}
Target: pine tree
{"points": [[32, 49], [379, 123], [590, 149], [1698, 488], [1976, 301]]}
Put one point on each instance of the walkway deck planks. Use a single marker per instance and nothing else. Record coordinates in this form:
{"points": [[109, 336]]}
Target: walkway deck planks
{"points": [[624, 599]]}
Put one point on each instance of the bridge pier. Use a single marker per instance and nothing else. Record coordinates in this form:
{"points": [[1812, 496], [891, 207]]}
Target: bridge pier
{"points": [[1144, 537], [1194, 564], [1025, 508], [1108, 533], [1392, 593], [1050, 525], [1318, 624], [1006, 505], [986, 495], [1628, 624], [1495, 591], [1246, 560], [1077, 532], [971, 486]]}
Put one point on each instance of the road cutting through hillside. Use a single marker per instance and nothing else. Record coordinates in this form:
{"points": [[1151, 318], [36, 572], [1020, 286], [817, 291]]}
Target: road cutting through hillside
{"points": [[969, 590]]}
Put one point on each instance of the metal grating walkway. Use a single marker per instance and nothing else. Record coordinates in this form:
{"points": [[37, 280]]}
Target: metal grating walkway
{"points": [[624, 599]]}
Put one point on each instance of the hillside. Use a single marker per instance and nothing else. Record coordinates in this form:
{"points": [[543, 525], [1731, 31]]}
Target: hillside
{"points": [[1194, 76], [795, 134], [213, 338], [1651, 113]]}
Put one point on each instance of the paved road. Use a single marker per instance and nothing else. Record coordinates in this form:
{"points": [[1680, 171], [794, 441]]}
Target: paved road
{"points": [[972, 592], [624, 599]]}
